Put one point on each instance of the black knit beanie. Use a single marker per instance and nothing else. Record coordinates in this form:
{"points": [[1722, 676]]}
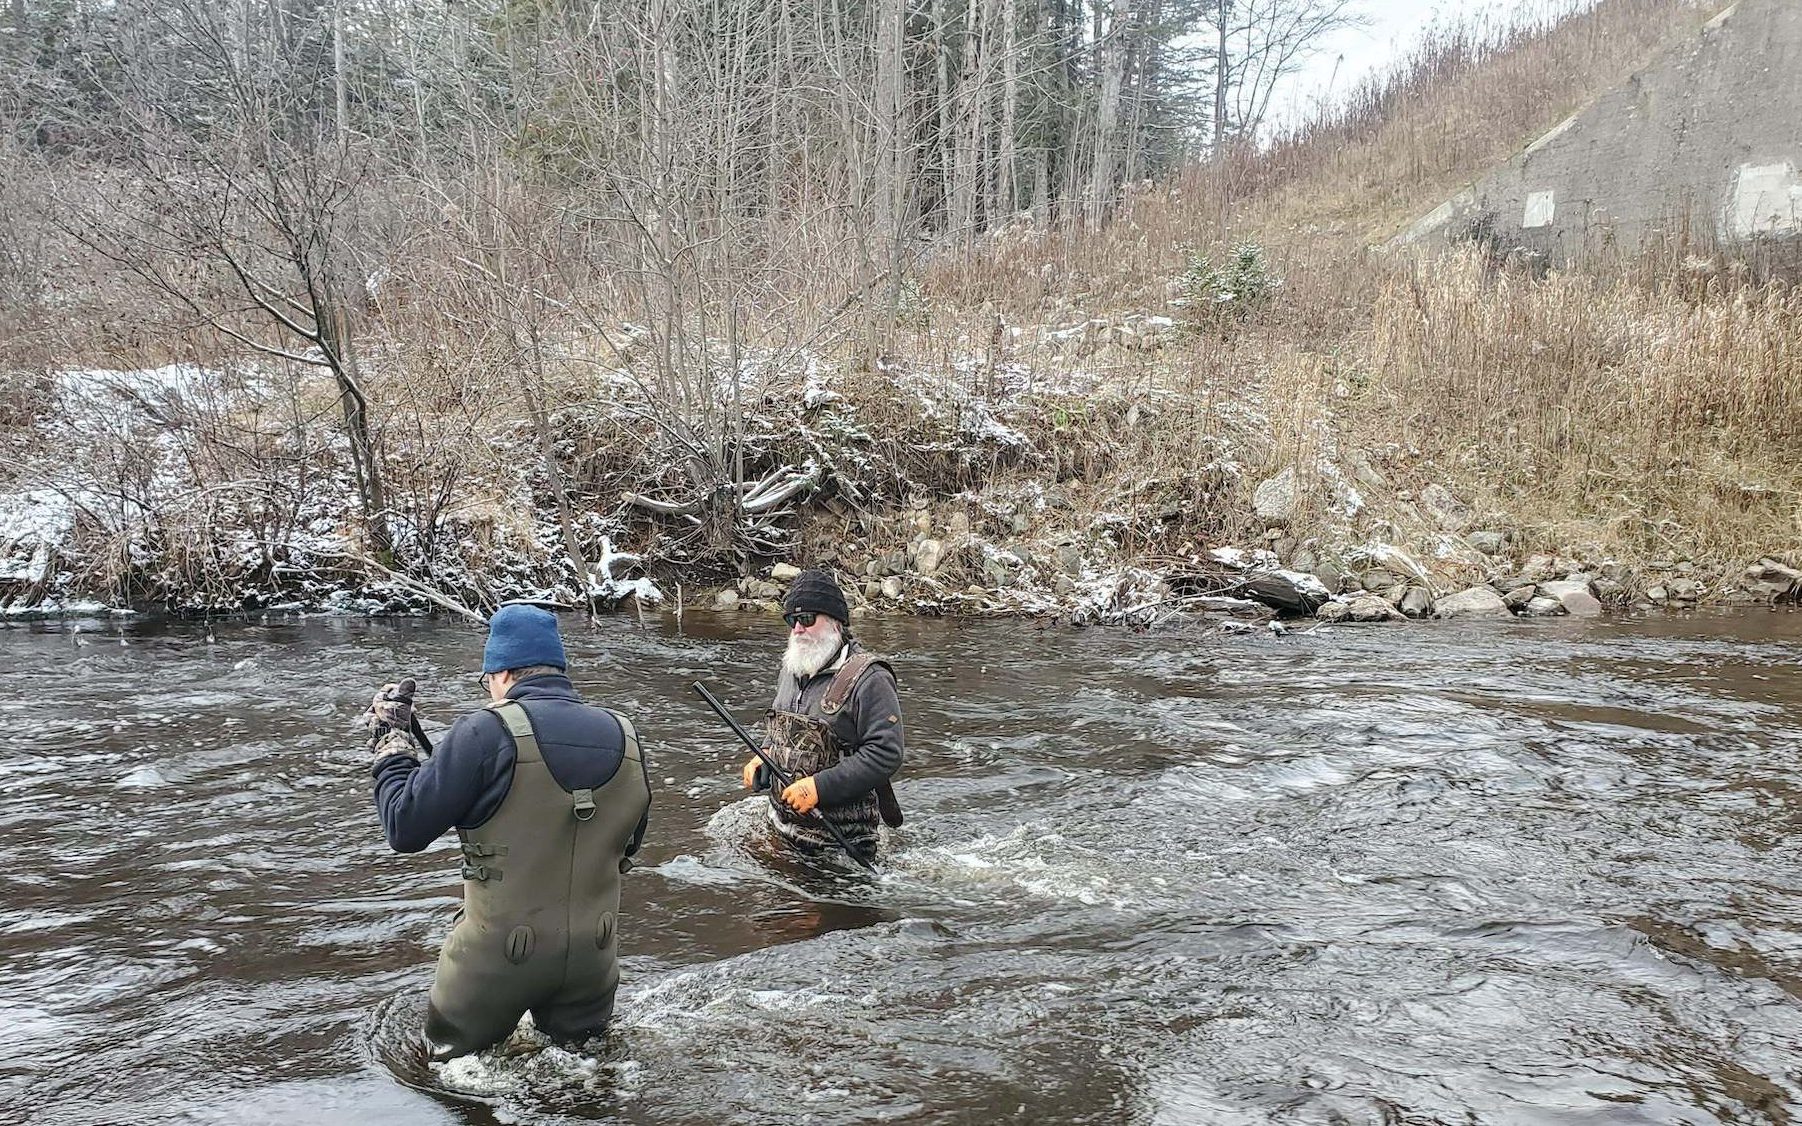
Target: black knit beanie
{"points": [[816, 591]]}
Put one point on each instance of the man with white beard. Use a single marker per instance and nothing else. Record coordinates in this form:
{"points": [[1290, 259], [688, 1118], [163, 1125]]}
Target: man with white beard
{"points": [[834, 727]]}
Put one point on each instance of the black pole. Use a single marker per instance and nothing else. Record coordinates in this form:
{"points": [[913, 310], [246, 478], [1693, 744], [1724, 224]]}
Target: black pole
{"points": [[777, 773], [419, 735]]}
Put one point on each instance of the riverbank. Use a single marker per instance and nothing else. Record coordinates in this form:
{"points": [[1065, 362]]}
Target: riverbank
{"points": [[1233, 388]]}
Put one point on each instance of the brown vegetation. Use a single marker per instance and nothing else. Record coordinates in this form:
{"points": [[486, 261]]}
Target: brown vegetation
{"points": [[542, 336]]}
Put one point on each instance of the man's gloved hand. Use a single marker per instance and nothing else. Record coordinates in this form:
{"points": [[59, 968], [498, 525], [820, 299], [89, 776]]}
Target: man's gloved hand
{"points": [[801, 795], [755, 774], [391, 710], [391, 743]]}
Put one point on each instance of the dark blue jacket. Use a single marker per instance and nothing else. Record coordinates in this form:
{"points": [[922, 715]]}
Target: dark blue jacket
{"points": [[470, 770]]}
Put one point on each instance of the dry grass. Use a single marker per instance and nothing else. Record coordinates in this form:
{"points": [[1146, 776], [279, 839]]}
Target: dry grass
{"points": [[1647, 411]]}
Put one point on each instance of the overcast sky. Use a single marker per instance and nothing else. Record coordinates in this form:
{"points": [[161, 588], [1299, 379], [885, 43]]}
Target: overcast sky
{"points": [[1394, 26]]}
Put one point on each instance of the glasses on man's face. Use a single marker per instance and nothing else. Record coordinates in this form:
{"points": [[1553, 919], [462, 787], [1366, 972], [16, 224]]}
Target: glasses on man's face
{"points": [[482, 679], [800, 618]]}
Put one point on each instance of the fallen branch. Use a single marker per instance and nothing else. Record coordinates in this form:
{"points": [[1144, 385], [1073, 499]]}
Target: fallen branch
{"points": [[431, 594]]}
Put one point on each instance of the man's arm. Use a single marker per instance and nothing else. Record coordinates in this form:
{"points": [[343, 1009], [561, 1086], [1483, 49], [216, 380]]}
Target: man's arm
{"points": [[875, 705], [420, 801]]}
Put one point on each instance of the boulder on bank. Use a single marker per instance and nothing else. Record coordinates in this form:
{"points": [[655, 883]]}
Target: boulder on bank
{"points": [[1287, 592], [1416, 602], [1574, 597], [1477, 602], [1543, 606], [1276, 499], [1364, 608], [1489, 543]]}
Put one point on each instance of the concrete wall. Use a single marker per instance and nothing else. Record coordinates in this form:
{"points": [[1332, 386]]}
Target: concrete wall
{"points": [[1703, 144]]}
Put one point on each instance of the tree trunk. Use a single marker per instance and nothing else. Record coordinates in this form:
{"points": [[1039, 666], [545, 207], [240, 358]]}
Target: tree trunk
{"points": [[340, 88], [1006, 165], [1107, 115], [1222, 78]]}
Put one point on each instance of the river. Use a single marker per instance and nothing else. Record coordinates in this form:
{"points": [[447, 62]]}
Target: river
{"points": [[1540, 871]]}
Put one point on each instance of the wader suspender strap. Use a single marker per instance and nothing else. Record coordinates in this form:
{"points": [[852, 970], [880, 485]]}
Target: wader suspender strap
{"points": [[626, 729], [838, 693], [519, 725], [844, 682]]}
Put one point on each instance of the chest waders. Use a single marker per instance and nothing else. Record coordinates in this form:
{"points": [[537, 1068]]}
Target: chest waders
{"points": [[540, 904], [807, 742]]}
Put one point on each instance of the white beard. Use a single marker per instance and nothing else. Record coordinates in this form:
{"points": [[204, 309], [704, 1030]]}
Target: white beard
{"points": [[808, 654]]}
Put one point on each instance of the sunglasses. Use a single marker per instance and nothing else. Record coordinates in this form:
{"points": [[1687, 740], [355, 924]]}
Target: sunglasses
{"points": [[800, 618]]}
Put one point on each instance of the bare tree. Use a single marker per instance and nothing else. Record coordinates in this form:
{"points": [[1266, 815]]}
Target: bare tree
{"points": [[249, 220]]}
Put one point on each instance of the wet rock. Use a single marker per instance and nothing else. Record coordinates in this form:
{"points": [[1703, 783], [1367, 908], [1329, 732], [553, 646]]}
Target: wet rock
{"points": [[725, 600], [1477, 602], [1394, 595], [1371, 608], [928, 555], [1685, 590], [784, 573], [1288, 592], [1446, 510], [1333, 612], [1276, 498], [759, 590], [1574, 597], [892, 586], [1416, 603], [1543, 606], [1518, 597], [1609, 592], [1659, 595], [1489, 543]]}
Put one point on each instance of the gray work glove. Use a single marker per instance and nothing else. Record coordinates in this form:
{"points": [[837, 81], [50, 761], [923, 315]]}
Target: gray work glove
{"points": [[391, 710]]}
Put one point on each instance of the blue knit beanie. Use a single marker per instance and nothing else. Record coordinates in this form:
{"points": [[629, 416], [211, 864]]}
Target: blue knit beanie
{"points": [[522, 636]]}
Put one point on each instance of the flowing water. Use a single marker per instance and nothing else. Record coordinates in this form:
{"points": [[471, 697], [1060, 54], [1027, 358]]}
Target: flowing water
{"points": [[1528, 872]]}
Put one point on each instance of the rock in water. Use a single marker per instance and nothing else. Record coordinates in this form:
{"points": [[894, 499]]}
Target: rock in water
{"points": [[1575, 597], [1417, 603], [1477, 602]]}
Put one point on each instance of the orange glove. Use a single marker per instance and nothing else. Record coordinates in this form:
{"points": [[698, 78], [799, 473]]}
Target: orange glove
{"points": [[801, 795], [749, 773]]}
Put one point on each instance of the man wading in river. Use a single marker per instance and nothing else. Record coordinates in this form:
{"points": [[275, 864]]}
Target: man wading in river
{"points": [[835, 725], [549, 797]]}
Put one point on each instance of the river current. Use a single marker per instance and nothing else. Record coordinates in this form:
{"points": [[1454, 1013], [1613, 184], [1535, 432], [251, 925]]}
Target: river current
{"points": [[1539, 871]]}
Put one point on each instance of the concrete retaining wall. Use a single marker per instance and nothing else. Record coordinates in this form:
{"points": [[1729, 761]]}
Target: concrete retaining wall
{"points": [[1703, 145]]}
